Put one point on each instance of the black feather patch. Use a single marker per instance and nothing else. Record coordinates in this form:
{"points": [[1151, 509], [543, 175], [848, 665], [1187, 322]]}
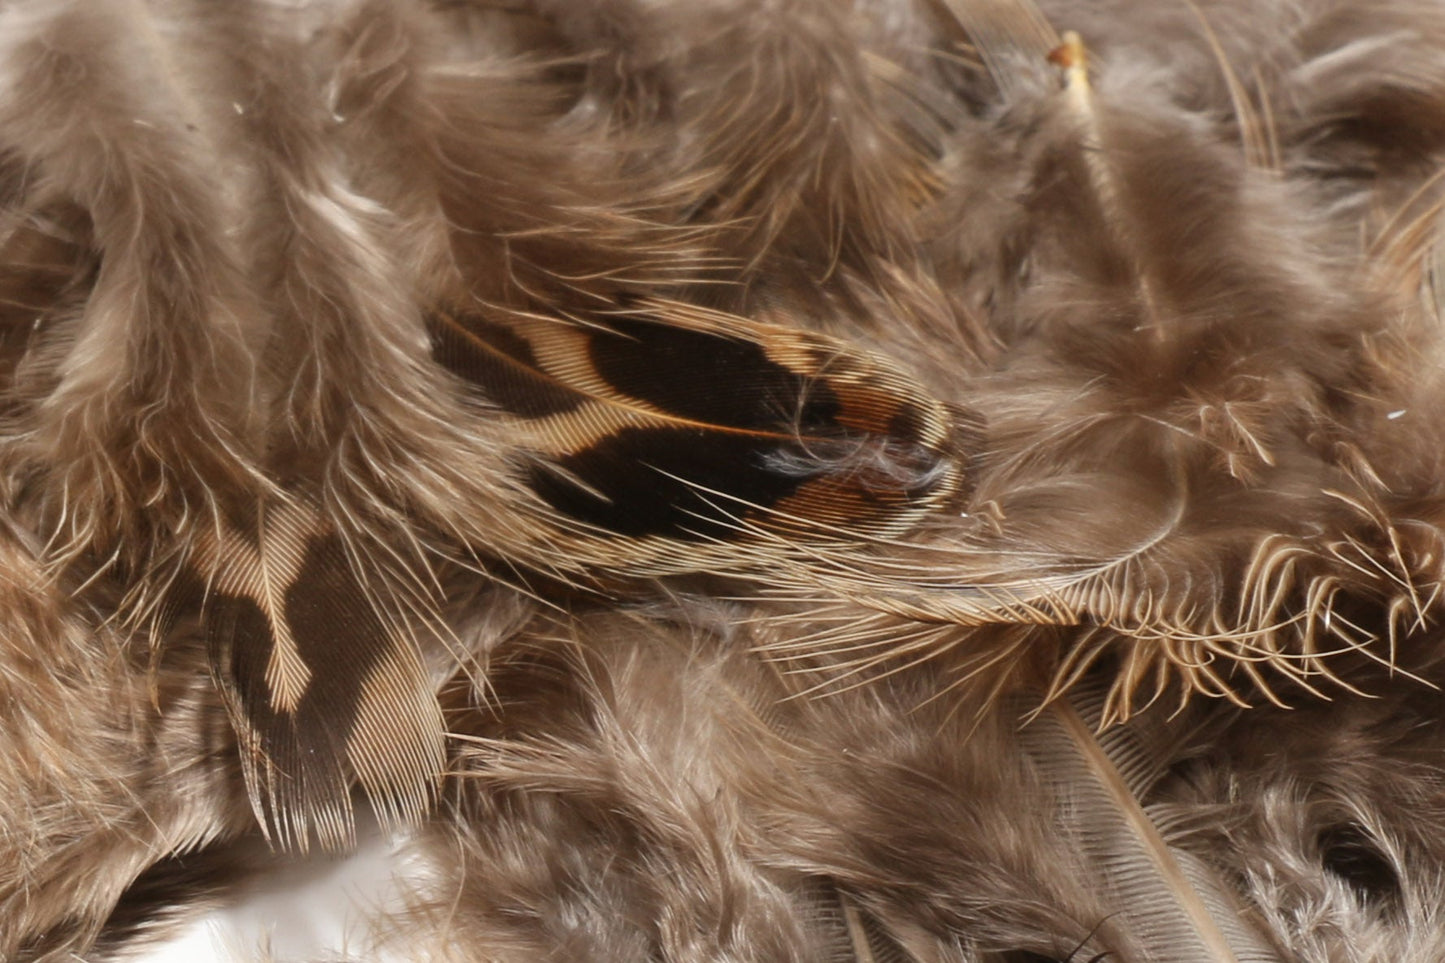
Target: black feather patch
{"points": [[697, 429], [322, 689]]}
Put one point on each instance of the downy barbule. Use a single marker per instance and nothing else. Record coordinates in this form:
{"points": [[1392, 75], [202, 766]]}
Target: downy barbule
{"points": [[750, 480]]}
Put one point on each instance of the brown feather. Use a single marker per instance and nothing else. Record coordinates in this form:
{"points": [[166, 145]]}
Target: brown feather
{"points": [[748, 415]]}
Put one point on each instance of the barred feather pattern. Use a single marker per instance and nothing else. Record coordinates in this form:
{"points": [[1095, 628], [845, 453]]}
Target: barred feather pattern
{"points": [[738, 479]]}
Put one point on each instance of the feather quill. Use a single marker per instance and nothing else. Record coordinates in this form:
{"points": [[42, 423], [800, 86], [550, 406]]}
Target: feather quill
{"points": [[1168, 898]]}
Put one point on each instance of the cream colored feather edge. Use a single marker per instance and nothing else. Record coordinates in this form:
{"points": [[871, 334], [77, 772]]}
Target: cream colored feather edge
{"points": [[885, 481]]}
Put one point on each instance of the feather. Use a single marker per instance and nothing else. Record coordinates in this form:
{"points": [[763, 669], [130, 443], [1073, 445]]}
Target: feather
{"points": [[787, 816], [1012, 38], [728, 479], [1120, 442], [141, 764], [1169, 898], [321, 686], [1324, 820], [672, 438]]}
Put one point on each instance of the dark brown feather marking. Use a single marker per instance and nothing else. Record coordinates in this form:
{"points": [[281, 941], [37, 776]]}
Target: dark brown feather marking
{"points": [[649, 428], [722, 381], [320, 687], [658, 482]]}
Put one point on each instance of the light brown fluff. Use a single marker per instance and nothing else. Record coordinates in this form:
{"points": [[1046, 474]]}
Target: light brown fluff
{"points": [[731, 478]]}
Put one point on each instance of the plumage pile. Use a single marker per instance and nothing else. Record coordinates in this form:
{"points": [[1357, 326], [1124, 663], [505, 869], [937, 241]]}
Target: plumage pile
{"points": [[751, 480]]}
